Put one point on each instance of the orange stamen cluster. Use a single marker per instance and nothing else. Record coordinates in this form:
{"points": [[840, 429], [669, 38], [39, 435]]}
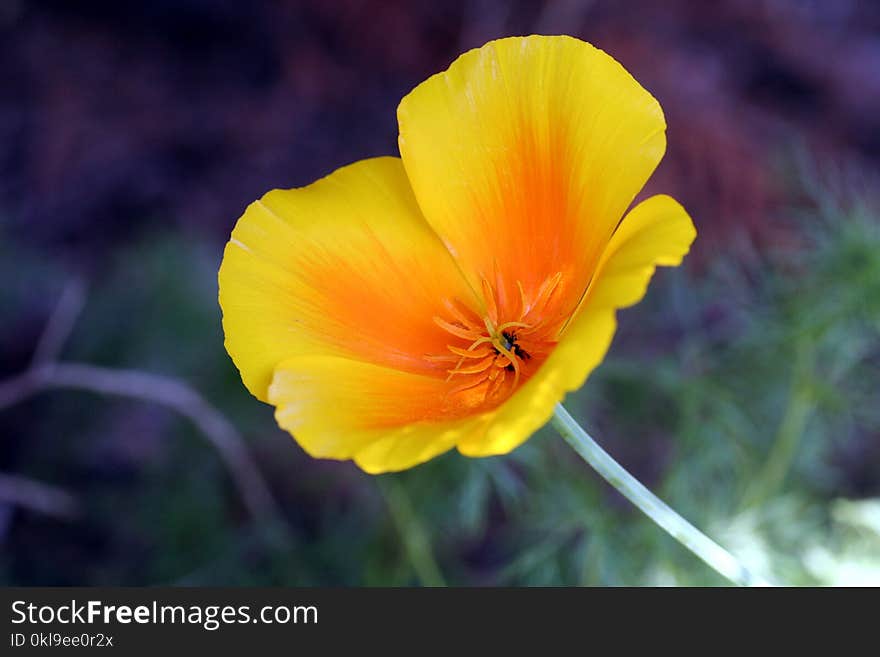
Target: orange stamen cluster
{"points": [[490, 358]]}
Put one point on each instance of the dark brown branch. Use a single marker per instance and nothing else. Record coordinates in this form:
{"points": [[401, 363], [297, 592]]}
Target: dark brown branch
{"points": [[37, 496], [163, 390], [61, 323]]}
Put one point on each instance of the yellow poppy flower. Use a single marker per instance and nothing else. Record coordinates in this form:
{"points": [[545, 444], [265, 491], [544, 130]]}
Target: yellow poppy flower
{"points": [[450, 298]]}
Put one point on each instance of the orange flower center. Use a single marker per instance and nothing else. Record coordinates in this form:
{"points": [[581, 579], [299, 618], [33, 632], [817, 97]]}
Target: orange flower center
{"points": [[490, 354]]}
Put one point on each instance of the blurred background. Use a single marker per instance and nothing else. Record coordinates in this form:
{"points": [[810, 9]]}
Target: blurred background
{"points": [[743, 390]]}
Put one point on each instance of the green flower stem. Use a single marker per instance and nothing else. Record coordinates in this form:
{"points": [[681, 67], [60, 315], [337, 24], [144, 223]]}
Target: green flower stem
{"points": [[791, 429], [415, 538], [680, 529]]}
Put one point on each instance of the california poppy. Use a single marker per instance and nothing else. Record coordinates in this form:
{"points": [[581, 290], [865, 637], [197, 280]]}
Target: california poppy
{"points": [[451, 297]]}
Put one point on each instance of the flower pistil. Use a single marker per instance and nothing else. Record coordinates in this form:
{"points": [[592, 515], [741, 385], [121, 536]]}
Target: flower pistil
{"points": [[490, 358]]}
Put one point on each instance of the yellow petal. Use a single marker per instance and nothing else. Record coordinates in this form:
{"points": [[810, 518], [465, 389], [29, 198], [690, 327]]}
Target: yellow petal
{"points": [[384, 419], [345, 266], [657, 231], [523, 156]]}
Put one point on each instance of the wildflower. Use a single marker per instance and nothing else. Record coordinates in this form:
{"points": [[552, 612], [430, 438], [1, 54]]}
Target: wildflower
{"points": [[450, 298]]}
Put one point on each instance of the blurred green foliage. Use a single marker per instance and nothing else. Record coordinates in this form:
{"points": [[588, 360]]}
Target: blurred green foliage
{"points": [[744, 394]]}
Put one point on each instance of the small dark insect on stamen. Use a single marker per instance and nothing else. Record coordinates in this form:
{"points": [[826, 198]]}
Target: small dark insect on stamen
{"points": [[509, 339], [511, 345]]}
